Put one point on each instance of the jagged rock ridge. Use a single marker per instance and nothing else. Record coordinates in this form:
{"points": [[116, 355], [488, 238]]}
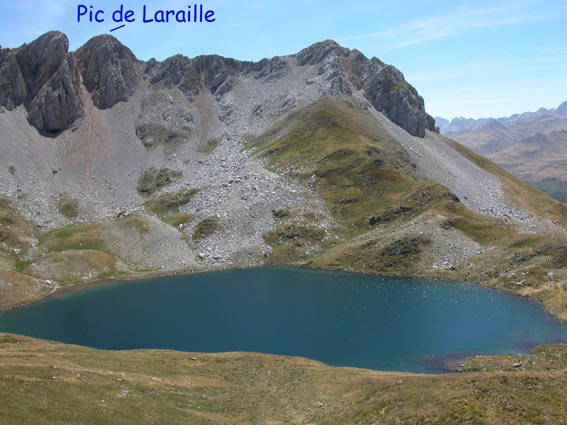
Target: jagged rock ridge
{"points": [[46, 78]]}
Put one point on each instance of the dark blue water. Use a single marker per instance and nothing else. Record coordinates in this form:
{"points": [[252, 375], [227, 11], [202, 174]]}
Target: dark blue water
{"points": [[341, 319]]}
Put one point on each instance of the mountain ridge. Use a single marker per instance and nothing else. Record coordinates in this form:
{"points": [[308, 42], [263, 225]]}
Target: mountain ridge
{"points": [[532, 145], [461, 124], [105, 57]]}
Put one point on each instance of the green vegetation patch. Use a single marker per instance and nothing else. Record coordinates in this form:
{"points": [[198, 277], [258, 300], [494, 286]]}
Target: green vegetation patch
{"points": [[178, 219], [152, 135], [77, 252], [292, 242], [484, 230], [13, 229], [10, 218], [8, 237], [86, 236], [377, 255], [389, 214], [67, 206], [139, 224], [209, 146], [70, 267], [169, 203], [74, 237], [153, 179], [206, 227], [405, 246]]}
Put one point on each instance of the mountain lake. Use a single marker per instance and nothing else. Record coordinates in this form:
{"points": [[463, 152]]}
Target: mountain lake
{"points": [[342, 319]]}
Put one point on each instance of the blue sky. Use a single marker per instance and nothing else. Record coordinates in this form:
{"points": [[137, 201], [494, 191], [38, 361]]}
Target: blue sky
{"points": [[466, 58]]}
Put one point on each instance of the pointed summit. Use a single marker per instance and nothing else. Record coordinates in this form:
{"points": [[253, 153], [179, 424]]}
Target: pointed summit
{"points": [[316, 53], [42, 76], [562, 109], [110, 70]]}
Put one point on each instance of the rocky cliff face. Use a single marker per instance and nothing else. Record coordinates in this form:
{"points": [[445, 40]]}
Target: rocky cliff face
{"points": [[43, 77], [382, 85]]}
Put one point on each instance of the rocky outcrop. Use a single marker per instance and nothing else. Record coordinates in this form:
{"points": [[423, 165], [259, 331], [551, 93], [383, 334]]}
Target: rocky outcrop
{"points": [[12, 84], [42, 76], [389, 93], [110, 70], [58, 103], [191, 75], [382, 85]]}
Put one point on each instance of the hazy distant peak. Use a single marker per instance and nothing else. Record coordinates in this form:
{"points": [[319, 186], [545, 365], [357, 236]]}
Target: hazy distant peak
{"points": [[562, 109]]}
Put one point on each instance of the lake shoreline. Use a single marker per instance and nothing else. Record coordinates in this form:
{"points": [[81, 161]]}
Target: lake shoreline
{"points": [[267, 283]]}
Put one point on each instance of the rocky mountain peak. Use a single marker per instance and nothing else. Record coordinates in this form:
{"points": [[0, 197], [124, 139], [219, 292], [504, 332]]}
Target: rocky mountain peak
{"points": [[110, 70], [382, 85], [40, 59], [494, 125], [318, 52], [42, 76], [208, 72], [562, 109]]}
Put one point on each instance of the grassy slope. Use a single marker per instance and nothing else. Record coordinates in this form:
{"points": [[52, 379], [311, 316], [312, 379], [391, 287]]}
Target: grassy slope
{"points": [[529, 198], [49, 383], [358, 169], [346, 155], [16, 236]]}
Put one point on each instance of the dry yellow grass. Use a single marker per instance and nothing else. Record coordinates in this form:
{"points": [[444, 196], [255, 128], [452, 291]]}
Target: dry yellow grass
{"points": [[49, 383]]}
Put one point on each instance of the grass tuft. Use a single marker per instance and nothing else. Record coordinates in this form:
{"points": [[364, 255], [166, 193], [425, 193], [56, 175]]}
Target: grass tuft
{"points": [[153, 179], [206, 227], [67, 206]]}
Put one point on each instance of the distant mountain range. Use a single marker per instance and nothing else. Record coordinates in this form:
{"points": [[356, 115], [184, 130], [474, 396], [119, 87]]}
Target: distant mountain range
{"points": [[532, 145]]}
